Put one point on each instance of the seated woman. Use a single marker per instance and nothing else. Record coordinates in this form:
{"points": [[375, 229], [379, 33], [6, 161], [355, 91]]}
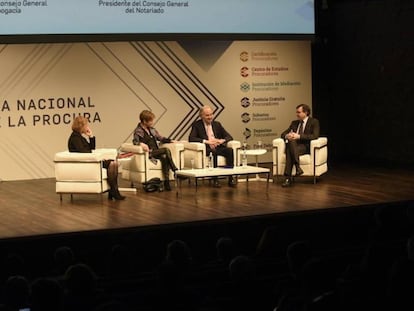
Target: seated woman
{"points": [[147, 137], [82, 140]]}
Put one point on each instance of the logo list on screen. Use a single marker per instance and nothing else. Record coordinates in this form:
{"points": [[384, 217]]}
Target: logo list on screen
{"points": [[25, 17]]}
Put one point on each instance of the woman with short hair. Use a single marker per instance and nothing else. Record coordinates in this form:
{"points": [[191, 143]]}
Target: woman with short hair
{"points": [[148, 137], [82, 140]]}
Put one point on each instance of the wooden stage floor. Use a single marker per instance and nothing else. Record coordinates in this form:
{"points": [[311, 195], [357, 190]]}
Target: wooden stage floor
{"points": [[32, 208]]}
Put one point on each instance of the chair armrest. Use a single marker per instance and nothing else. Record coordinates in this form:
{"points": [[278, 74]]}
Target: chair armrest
{"points": [[106, 153], [196, 152], [278, 142], [279, 146], [66, 156], [319, 142], [128, 147], [137, 161], [177, 153], [235, 144], [194, 146], [319, 150], [278, 151]]}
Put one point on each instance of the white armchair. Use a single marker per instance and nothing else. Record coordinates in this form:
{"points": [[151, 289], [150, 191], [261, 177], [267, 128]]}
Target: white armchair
{"points": [[139, 168], [82, 172], [314, 164], [197, 152]]}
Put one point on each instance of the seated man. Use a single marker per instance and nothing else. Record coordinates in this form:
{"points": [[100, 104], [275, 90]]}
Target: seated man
{"points": [[213, 134], [297, 137]]}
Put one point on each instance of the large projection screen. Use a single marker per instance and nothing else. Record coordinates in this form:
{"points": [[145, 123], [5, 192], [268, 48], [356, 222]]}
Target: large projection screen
{"points": [[86, 17]]}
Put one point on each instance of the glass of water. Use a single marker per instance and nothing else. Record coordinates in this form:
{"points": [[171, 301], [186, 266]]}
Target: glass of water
{"points": [[259, 144], [192, 164]]}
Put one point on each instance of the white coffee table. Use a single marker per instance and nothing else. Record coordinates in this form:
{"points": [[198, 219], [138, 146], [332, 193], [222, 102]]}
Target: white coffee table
{"points": [[256, 153], [197, 174]]}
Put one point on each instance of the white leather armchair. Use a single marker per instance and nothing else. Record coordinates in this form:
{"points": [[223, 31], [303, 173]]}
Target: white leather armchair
{"points": [[82, 172], [197, 152], [139, 168], [314, 164]]}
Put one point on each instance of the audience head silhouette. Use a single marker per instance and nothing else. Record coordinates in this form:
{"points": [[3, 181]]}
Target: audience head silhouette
{"points": [[64, 258], [47, 295], [80, 279], [179, 253], [17, 293], [242, 269], [225, 249], [298, 253]]}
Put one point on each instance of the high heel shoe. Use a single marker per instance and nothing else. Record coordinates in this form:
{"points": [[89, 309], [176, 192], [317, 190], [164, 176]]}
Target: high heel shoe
{"points": [[115, 195]]}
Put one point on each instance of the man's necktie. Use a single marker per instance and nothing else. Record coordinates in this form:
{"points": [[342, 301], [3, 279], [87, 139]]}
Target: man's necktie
{"points": [[301, 128], [210, 134]]}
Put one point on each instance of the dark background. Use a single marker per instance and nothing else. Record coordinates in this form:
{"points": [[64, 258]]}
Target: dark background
{"points": [[363, 66]]}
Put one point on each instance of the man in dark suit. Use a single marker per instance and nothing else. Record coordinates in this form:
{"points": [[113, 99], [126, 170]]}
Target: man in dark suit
{"points": [[213, 134], [297, 137]]}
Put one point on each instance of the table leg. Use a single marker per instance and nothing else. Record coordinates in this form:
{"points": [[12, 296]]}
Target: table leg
{"points": [[257, 165], [177, 185], [267, 182]]}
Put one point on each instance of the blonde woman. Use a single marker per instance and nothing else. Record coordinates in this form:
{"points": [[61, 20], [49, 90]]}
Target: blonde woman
{"points": [[82, 140]]}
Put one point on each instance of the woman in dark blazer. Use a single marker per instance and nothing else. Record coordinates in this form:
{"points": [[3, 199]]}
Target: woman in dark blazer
{"points": [[82, 140], [148, 137]]}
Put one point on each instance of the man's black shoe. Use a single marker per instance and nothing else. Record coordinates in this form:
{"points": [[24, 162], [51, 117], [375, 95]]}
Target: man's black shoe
{"points": [[287, 183], [299, 171], [232, 181]]}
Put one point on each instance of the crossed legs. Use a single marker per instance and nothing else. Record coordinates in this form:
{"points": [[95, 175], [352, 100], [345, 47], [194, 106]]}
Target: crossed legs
{"points": [[293, 151], [167, 164], [112, 172]]}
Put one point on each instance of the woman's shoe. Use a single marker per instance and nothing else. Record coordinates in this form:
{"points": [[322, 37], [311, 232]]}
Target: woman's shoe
{"points": [[115, 195]]}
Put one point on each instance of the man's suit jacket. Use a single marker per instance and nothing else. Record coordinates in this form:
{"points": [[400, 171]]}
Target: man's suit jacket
{"points": [[198, 132], [310, 132]]}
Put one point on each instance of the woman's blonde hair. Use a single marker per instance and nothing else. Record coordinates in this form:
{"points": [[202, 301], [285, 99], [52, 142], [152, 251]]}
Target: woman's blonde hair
{"points": [[79, 123]]}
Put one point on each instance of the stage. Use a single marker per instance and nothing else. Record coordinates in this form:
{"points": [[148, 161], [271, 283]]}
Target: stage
{"points": [[32, 208]]}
